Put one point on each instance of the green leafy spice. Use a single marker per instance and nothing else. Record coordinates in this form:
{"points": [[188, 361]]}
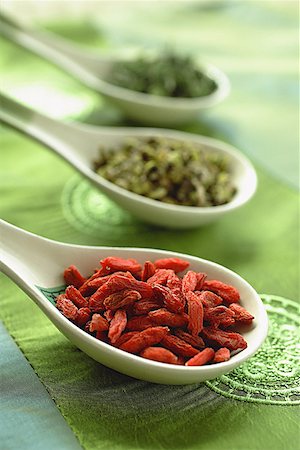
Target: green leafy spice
{"points": [[168, 170], [168, 75]]}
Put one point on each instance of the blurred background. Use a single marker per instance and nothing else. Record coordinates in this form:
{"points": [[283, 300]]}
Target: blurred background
{"points": [[254, 42]]}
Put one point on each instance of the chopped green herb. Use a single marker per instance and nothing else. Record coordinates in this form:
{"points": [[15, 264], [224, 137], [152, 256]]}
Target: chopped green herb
{"points": [[168, 170], [168, 75]]}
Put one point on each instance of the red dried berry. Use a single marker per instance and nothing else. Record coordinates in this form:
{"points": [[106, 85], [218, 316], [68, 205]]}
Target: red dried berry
{"points": [[181, 360], [145, 338], [195, 341], [92, 284], [159, 354], [142, 307], [219, 316], [148, 270], [121, 299], [241, 315], [73, 294], [195, 313], [201, 358], [174, 283], [125, 337], [176, 264], [67, 307], [221, 355], [139, 323], [113, 264], [109, 314], [73, 276], [83, 316], [189, 281], [117, 325], [201, 277], [164, 317], [171, 301], [160, 277], [209, 299], [228, 339], [98, 323], [178, 346], [228, 293]]}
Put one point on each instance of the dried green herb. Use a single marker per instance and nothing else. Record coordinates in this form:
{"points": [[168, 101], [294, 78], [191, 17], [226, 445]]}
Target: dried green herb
{"points": [[168, 170], [170, 75]]}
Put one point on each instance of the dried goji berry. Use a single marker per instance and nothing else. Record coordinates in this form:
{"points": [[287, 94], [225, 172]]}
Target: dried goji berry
{"points": [[87, 327], [241, 315], [145, 338], [181, 360], [201, 358], [73, 294], [195, 341], [228, 339], [160, 277], [189, 281], [119, 282], [91, 285], [174, 283], [159, 354], [200, 280], [109, 314], [139, 323], [98, 323], [178, 346], [124, 338], [121, 299], [83, 316], [195, 313], [176, 264], [209, 299], [144, 306], [219, 316], [171, 301], [148, 270], [164, 317], [67, 307], [73, 276], [228, 293], [114, 263], [117, 325], [221, 355]]}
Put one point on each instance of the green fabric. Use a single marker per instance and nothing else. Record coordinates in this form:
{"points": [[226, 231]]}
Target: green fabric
{"points": [[253, 43]]}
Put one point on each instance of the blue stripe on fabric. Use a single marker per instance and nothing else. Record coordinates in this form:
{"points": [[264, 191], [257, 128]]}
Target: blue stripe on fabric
{"points": [[29, 419]]}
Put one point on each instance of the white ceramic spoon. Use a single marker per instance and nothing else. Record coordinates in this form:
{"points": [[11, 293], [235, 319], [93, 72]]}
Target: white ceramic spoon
{"points": [[94, 71], [32, 261], [80, 145]]}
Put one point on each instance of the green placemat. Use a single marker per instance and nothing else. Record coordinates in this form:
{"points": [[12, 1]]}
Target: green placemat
{"points": [[40, 193]]}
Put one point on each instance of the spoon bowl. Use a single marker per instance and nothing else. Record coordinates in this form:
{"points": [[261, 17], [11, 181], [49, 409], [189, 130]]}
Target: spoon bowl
{"points": [[94, 72], [25, 257], [79, 144]]}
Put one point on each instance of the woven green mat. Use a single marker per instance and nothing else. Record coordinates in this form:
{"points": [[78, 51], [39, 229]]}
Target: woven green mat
{"points": [[254, 407]]}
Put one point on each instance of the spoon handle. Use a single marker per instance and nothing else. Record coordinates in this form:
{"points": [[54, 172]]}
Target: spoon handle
{"points": [[50, 48], [62, 138], [17, 248]]}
